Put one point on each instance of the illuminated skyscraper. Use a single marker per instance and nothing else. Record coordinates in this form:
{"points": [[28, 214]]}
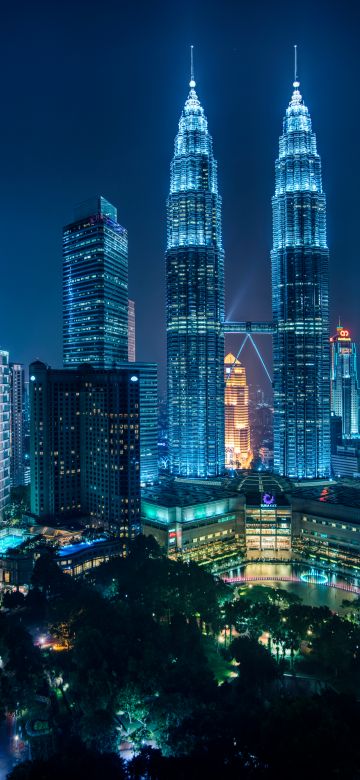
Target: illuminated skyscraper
{"points": [[300, 302], [195, 301], [237, 429], [4, 430], [17, 404], [98, 317], [344, 382], [95, 287]]}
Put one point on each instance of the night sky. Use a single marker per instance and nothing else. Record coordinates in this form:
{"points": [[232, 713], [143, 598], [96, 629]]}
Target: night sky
{"points": [[91, 95]]}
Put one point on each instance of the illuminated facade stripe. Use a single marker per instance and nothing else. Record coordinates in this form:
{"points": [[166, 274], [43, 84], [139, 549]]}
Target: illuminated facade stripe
{"points": [[4, 430], [300, 302], [195, 301]]}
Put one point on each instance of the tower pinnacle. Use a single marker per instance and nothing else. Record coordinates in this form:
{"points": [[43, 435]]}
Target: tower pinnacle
{"points": [[296, 82], [192, 82]]}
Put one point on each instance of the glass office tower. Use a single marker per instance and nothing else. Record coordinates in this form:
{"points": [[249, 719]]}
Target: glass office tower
{"points": [[300, 302], [344, 382], [95, 287], [195, 301]]}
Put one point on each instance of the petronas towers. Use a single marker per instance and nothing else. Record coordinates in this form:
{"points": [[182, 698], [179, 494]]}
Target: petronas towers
{"points": [[195, 302], [300, 296]]}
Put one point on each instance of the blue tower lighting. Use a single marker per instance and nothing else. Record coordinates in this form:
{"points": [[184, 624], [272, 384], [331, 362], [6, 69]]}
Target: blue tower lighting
{"points": [[195, 300], [300, 301]]}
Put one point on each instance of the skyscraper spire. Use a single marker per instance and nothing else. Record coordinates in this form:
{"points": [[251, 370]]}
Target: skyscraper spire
{"points": [[192, 83], [296, 80]]}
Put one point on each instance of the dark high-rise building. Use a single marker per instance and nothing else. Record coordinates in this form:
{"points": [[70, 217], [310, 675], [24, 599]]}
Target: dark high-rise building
{"points": [[149, 465], [300, 302], [85, 446], [4, 430], [95, 287], [27, 476], [344, 381], [17, 408], [131, 330], [195, 301]]}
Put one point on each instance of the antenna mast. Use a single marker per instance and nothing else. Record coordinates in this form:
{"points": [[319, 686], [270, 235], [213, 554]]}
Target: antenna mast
{"points": [[192, 79]]}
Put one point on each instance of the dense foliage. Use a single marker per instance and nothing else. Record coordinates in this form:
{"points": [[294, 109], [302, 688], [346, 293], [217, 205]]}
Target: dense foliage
{"points": [[159, 657]]}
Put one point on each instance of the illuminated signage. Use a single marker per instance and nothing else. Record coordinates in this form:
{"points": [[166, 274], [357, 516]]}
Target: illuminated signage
{"points": [[343, 334], [268, 500]]}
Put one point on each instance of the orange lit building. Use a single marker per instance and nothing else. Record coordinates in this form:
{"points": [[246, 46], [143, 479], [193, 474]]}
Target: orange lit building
{"points": [[238, 452]]}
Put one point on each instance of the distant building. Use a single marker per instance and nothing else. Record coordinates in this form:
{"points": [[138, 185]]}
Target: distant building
{"points": [[17, 432], [237, 427], [344, 384], [4, 430], [131, 332], [345, 460], [95, 287], [85, 446]]}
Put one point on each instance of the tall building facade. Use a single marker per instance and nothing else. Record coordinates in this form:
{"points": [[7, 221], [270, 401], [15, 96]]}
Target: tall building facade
{"points": [[98, 317], [17, 432], [95, 287], [195, 301], [300, 300], [4, 430], [85, 446], [149, 459], [344, 381], [237, 426], [131, 332]]}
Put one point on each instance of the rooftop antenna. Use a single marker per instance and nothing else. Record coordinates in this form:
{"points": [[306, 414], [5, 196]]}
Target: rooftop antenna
{"points": [[296, 80], [192, 83]]}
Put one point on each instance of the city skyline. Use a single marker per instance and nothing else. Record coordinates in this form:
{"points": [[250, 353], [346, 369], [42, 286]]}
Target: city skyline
{"points": [[247, 227]]}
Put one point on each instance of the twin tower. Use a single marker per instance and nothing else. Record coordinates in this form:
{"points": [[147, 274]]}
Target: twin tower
{"points": [[195, 302]]}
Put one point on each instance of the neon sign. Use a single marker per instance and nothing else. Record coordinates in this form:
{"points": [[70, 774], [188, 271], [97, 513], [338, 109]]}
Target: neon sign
{"points": [[268, 499], [343, 333]]}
